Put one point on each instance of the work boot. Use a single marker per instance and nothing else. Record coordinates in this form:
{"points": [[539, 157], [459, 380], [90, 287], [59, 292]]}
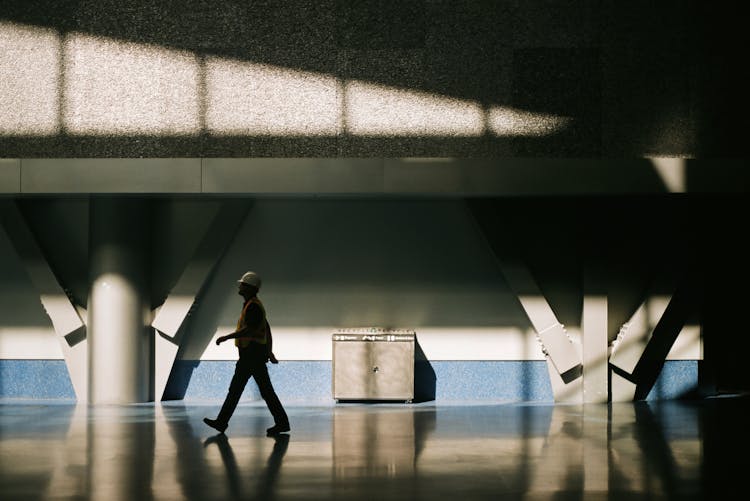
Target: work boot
{"points": [[277, 428], [215, 424]]}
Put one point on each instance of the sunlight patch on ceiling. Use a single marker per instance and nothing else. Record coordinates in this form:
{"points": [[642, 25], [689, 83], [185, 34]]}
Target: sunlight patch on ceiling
{"points": [[506, 121], [261, 100], [95, 86], [112, 87], [29, 80], [377, 110]]}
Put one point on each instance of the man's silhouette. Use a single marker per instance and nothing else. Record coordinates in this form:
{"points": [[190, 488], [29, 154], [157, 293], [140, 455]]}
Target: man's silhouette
{"points": [[254, 343]]}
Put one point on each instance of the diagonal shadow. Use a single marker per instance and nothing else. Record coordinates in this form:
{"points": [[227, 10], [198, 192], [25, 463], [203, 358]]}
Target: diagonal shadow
{"points": [[564, 60]]}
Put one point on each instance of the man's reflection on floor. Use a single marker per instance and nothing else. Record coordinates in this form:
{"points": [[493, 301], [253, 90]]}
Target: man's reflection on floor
{"points": [[267, 482], [268, 476], [230, 463]]}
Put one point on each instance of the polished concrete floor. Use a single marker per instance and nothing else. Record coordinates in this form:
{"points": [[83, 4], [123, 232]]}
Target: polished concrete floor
{"points": [[462, 451]]}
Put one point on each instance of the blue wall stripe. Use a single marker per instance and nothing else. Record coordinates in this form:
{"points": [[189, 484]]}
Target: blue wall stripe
{"points": [[678, 378], [310, 381], [35, 379]]}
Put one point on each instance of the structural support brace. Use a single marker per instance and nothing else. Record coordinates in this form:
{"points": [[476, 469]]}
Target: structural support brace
{"points": [[641, 348], [66, 320], [172, 314], [563, 356]]}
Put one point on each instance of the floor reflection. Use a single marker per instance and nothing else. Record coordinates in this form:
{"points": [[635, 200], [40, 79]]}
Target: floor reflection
{"points": [[667, 450]]}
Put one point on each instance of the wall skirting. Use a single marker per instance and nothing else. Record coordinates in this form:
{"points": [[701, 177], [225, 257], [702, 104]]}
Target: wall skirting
{"points": [[42, 379], [301, 382]]}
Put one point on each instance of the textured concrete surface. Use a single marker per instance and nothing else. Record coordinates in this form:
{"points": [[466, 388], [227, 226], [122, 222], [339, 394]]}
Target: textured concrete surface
{"points": [[369, 78]]}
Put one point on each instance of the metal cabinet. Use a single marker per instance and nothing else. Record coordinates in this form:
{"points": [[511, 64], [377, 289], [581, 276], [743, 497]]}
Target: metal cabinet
{"points": [[373, 364]]}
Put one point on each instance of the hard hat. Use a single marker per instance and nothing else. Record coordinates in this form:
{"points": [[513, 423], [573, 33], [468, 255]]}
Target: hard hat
{"points": [[250, 278]]}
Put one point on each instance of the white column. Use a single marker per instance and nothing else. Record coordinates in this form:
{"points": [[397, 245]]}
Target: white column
{"points": [[119, 356], [595, 349]]}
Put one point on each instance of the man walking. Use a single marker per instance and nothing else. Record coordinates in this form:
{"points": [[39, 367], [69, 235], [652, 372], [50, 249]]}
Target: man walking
{"points": [[254, 343]]}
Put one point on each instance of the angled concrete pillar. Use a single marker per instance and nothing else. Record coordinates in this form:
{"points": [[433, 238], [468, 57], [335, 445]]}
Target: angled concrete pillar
{"points": [[171, 315], [119, 353], [67, 321], [563, 357], [643, 343]]}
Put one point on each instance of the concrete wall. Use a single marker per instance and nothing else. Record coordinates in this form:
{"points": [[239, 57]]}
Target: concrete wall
{"points": [[314, 78]]}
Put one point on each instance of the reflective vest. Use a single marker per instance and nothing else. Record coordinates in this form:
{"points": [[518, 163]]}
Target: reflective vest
{"points": [[244, 343]]}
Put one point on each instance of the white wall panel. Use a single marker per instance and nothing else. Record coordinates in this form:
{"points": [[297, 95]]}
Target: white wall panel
{"points": [[338, 263]]}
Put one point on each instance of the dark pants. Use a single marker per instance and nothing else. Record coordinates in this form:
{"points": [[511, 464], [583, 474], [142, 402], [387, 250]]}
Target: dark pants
{"points": [[251, 364]]}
